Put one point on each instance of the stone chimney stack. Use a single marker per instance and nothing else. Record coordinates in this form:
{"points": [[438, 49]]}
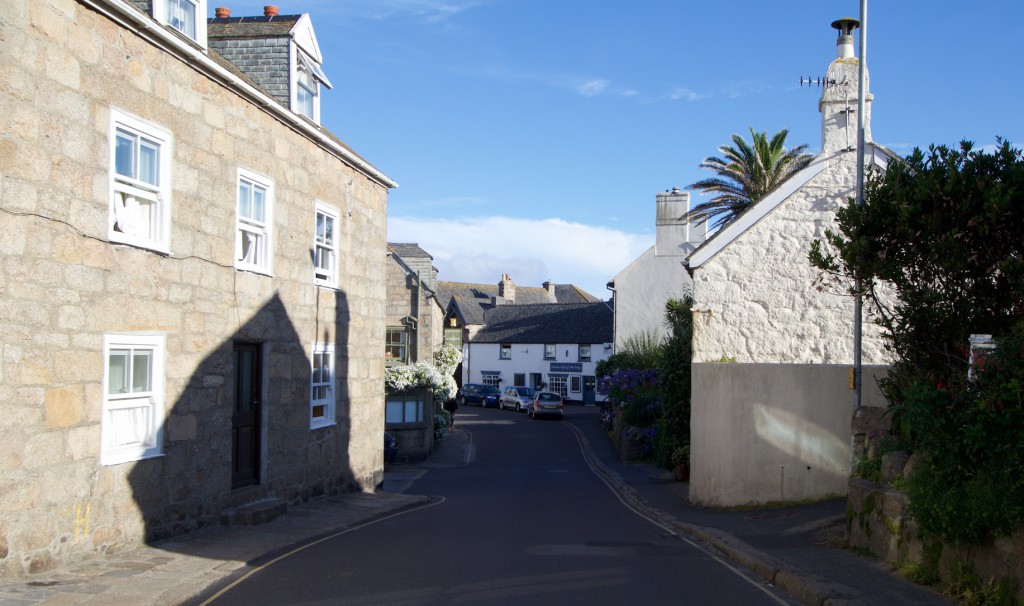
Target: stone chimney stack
{"points": [[507, 289], [549, 286], [838, 104]]}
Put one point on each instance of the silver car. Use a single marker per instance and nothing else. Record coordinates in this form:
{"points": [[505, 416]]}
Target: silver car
{"points": [[516, 398], [546, 404]]}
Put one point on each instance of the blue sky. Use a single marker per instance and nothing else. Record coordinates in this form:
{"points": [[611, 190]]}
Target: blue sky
{"points": [[531, 137]]}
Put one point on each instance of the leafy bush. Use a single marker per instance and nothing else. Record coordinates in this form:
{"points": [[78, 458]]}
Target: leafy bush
{"points": [[938, 252], [674, 371], [441, 422], [969, 483]]}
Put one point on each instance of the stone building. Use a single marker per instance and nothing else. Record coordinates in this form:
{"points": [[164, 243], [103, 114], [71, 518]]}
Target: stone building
{"points": [[772, 354], [414, 319], [192, 281]]}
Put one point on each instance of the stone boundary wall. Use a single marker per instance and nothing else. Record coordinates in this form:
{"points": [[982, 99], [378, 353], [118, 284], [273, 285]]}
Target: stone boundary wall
{"points": [[878, 521]]}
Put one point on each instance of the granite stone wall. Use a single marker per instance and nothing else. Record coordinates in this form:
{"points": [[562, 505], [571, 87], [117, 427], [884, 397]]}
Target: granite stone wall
{"points": [[63, 286]]}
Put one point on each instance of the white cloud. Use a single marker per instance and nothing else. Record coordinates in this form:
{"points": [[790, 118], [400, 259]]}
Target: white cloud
{"points": [[479, 250], [592, 87], [686, 94]]}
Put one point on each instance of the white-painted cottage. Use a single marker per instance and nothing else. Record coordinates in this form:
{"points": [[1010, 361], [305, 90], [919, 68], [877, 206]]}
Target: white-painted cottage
{"points": [[640, 291], [555, 345], [775, 424]]}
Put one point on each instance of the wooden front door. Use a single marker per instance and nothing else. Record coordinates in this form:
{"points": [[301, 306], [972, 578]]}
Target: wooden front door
{"points": [[245, 420]]}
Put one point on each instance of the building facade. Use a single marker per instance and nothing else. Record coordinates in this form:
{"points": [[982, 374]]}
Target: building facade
{"points": [[772, 354], [641, 290], [414, 319], [192, 278], [552, 346]]}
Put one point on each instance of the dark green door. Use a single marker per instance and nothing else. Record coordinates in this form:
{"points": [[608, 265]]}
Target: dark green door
{"points": [[245, 420]]}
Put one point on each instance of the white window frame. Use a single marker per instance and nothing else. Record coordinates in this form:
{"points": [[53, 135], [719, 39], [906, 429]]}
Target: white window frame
{"points": [[304, 75], [325, 276], [491, 378], [261, 230], [162, 13], [558, 384], [505, 351], [322, 389], [553, 348], [131, 199], [131, 428], [585, 357]]}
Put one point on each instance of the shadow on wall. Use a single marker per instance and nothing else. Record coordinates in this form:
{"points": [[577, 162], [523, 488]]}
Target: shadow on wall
{"points": [[240, 432]]}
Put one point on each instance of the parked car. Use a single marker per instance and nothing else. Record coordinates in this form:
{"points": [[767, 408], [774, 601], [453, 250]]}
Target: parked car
{"points": [[517, 398], [546, 404], [479, 395], [390, 448]]}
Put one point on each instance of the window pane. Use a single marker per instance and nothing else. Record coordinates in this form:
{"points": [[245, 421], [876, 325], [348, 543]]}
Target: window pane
{"points": [[319, 411], [124, 154], [323, 258], [325, 229], [410, 412], [182, 16], [117, 363], [393, 411], [244, 199], [149, 161], [142, 366], [258, 197]]}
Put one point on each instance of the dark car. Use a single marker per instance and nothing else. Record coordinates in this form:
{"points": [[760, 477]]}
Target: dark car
{"points": [[478, 395], [390, 448], [546, 404]]}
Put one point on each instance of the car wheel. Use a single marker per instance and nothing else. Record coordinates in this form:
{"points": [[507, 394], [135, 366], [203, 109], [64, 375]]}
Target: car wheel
{"points": [[518, 407]]}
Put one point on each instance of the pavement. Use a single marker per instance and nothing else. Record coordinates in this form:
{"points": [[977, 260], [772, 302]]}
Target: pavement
{"points": [[797, 548]]}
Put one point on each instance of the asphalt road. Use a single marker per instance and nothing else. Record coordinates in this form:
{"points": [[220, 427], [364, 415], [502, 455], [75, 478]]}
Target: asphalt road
{"points": [[524, 522]]}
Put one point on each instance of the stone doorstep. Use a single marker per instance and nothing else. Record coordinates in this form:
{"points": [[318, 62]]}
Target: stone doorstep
{"points": [[253, 514]]}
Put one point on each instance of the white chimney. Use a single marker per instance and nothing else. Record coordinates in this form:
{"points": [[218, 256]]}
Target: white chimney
{"points": [[838, 103], [673, 233], [844, 46]]}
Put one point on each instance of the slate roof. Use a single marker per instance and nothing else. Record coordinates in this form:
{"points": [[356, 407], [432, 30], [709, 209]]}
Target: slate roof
{"points": [[548, 323], [408, 251], [475, 299], [251, 27]]}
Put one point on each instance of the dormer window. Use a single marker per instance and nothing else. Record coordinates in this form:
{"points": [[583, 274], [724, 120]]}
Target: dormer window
{"points": [[306, 92], [186, 16], [308, 78]]}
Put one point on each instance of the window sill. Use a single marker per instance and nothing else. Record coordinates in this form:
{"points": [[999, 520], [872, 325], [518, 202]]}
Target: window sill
{"points": [[255, 269], [314, 425], [119, 458]]}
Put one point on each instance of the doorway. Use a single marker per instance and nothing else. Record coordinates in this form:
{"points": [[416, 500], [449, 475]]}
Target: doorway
{"points": [[246, 433]]}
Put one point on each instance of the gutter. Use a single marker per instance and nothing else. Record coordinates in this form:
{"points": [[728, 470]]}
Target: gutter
{"points": [[130, 18]]}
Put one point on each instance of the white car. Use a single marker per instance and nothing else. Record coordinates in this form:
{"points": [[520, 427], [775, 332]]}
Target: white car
{"points": [[516, 398]]}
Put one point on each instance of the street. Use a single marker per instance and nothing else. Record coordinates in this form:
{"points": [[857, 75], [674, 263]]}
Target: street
{"points": [[524, 521]]}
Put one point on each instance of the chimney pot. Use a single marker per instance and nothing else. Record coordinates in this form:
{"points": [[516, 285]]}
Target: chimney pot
{"points": [[270, 11], [222, 12]]}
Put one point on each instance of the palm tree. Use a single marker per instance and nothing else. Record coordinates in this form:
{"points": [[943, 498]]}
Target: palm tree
{"points": [[746, 172]]}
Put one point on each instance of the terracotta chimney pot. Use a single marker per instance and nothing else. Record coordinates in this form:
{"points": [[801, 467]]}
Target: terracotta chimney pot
{"points": [[222, 12], [270, 11]]}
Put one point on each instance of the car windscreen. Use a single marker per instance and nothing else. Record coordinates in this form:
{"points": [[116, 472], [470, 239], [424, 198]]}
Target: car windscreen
{"points": [[548, 397], [524, 391], [489, 389]]}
